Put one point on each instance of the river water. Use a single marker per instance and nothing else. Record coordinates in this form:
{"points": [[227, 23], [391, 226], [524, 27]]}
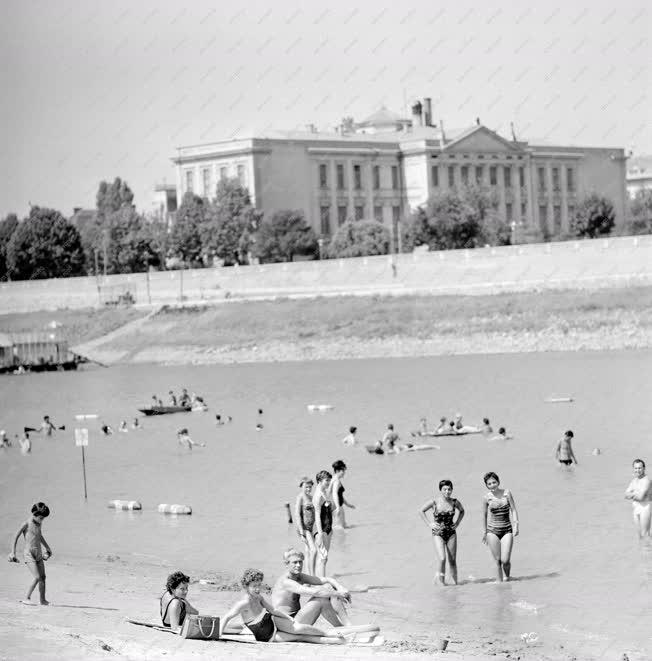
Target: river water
{"points": [[577, 560]]}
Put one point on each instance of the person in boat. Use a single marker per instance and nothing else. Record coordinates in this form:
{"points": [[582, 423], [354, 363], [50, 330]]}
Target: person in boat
{"points": [[304, 517], [47, 427], [452, 429], [486, 426], [337, 489], [326, 597], [502, 435], [350, 438], [123, 427], [155, 401], [184, 399], [564, 450], [461, 428], [423, 427], [183, 438], [174, 601], [390, 437], [500, 524], [444, 529], [442, 427], [269, 624], [323, 503], [639, 492], [173, 398]]}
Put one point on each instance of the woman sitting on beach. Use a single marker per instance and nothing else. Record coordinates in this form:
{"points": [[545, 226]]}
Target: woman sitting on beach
{"points": [[304, 515], [323, 503], [269, 624], [499, 512], [174, 605], [444, 529]]}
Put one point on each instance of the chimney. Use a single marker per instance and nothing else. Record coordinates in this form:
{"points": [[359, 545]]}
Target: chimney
{"points": [[443, 134], [427, 111], [75, 210], [417, 117]]}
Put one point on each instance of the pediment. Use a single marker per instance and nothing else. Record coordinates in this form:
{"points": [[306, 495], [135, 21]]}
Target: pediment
{"points": [[481, 139]]}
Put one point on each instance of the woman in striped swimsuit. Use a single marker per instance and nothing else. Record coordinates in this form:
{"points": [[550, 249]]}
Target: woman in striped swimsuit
{"points": [[499, 514]]}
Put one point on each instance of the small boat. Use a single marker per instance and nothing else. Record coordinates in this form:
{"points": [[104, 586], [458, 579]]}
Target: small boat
{"points": [[164, 410], [432, 434]]}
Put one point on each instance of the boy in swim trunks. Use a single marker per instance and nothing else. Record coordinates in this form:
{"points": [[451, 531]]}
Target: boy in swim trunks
{"points": [[390, 437], [564, 452], [639, 492]]}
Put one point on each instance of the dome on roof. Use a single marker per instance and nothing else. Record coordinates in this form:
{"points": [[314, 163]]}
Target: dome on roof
{"points": [[382, 117]]}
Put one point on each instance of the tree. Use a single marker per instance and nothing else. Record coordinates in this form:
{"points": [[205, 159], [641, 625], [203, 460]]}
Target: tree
{"points": [[7, 228], [45, 245], [359, 239], [185, 241], [286, 234], [112, 197], [230, 223], [595, 216], [639, 220], [132, 244]]}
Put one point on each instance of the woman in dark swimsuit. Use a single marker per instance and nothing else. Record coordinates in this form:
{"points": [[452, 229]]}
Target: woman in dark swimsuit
{"points": [[444, 529], [304, 516], [323, 503], [337, 488], [499, 512], [174, 605]]}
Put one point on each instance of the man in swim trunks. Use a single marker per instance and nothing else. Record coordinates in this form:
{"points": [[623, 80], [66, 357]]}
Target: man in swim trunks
{"points": [[564, 452], [639, 492], [390, 437]]}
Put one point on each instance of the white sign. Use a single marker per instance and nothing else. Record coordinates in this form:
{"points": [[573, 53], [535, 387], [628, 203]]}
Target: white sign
{"points": [[81, 437], [86, 416]]}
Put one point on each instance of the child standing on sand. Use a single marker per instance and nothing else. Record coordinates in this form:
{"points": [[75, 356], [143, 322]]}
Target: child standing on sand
{"points": [[304, 515], [33, 554]]}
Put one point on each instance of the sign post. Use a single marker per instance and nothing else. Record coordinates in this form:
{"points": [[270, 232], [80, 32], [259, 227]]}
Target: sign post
{"points": [[81, 441]]}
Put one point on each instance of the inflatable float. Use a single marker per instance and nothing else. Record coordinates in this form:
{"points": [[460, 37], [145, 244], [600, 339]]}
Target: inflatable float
{"points": [[558, 400], [320, 407], [124, 505], [174, 509], [374, 449], [434, 434]]}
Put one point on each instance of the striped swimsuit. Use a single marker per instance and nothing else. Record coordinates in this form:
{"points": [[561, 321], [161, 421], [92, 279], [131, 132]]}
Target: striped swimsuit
{"points": [[499, 522]]}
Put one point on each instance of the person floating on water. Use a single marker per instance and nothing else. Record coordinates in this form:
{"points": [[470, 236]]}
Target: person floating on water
{"points": [[174, 602], [123, 427], [461, 428], [323, 503], [564, 451], [173, 398], [499, 512], [502, 435], [639, 492], [304, 517], [390, 437], [486, 426], [337, 490], [269, 624], [183, 438], [350, 438], [259, 424], [444, 529], [442, 427], [33, 553]]}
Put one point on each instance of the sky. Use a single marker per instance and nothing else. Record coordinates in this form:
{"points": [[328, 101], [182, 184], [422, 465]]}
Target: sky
{"points": [[95, 90]]}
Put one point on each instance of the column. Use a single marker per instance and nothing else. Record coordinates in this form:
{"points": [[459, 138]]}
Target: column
{"points": [[563, 183], [500, 179], [368, 185], [516, 203], [332, 183], [551, 215], [348, 181], [529, 188]]}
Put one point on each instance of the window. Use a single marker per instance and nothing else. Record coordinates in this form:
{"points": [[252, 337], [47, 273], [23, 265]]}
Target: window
{"points": [[451, 176], [357, 177], [359, 212], [340, 176], [376, 177], [543, 215], [189, 181], [241, 174], [435, 176], [323, 175], [465, 175], [378, 214], [523, 210], [570, 180], [325, 216], [556, 217], [493, 175], [341, 215], [507, 172], [521, 177], [206, 180], [555, 179], [223, 173], [395, 177], [396, 218], [478, 174], [571, 212], [541, 173], [509, 213]]}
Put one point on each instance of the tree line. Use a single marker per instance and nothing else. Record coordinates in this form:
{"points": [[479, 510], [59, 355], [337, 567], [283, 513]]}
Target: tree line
{"points": [[227, 229]]}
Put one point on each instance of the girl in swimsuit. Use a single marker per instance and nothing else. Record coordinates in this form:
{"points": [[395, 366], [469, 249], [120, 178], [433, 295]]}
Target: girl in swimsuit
{"points": [[337, 489], [174, 603], [304, 515], [269, 624], [499, 513], [322, 501], [444, 529]]}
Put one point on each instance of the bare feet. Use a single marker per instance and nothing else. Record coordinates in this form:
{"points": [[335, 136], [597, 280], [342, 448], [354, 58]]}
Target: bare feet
{"points": [[27, 602], [45, 602]]}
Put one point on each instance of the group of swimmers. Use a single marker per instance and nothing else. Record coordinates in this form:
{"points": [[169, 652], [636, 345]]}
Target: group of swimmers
{"points": [[184, 399], [47, 428]]}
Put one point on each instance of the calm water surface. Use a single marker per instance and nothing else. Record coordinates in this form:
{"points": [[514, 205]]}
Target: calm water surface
{"points": [[577, 558]]}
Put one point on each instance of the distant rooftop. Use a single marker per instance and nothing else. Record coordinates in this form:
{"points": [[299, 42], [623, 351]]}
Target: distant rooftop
{"points": [[640, 165]]}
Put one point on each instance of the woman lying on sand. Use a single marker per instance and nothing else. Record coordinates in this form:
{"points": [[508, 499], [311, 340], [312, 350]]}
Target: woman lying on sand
{"points": [[174, 606], [269, 624]]}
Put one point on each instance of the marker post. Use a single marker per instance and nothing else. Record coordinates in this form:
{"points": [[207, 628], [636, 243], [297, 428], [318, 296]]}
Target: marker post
{"points": [[81, 440]]}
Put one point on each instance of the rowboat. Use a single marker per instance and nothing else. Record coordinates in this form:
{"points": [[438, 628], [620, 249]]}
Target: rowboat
{"points": [[164, 410], [432, 434]]}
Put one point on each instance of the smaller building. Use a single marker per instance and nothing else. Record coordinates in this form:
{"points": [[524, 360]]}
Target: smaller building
{"points": [[164, 202], [639, 174], [33, 350]]}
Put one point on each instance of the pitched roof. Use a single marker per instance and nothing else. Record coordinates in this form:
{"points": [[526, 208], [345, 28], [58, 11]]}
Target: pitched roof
{"points": [[382, 117]]}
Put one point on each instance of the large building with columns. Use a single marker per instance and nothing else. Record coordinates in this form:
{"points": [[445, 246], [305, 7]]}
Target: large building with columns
{"points": [[386, 166]]}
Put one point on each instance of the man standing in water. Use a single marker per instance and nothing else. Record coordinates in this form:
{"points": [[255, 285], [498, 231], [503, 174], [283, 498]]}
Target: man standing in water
{"points": [[564, 452], [639, 492]]}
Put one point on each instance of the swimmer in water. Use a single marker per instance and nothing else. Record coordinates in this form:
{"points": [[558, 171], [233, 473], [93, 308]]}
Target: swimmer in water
{"points": [[486, 426], [106, 429], [639, 492], [47, 427], [136, 424], [442, 427], [25, 443], [350, 438], [218, 420], [564, 451], [183, 438], [390, 437], [123, 427], [304, 517], [4, 441], [259, 424], [502, 435]]}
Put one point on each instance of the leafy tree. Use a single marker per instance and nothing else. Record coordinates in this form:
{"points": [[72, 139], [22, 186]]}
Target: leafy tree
{"points": [[639, 220], [132, 244], [7, 228], [44, 245], [360, 238], [112, 197], [286, 234], [594, 216], [185, 241]]}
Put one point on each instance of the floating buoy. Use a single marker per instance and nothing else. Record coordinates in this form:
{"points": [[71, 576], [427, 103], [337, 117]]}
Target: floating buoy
{"points": [[125, 505], [559, 400], [320, 407], [289, 512], [174, 509]]}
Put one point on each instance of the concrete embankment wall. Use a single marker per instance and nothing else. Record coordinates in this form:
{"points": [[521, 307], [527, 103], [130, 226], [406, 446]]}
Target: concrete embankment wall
{"points": [[598, 263]]}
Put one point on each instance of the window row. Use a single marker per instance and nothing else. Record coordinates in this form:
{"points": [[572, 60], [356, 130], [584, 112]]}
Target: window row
{"points": [[206, 189], [359, 213], [358, 177]]}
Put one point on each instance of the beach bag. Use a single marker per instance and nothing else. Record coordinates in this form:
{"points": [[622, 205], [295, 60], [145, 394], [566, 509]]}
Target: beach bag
{"points": [[201, 627]]}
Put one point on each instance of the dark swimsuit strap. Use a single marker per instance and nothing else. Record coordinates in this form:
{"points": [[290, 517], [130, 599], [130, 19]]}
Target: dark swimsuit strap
{"points": [[164, 614]]}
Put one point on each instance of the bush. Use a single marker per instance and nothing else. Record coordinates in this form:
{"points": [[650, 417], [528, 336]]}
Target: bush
{"points": [[285, 235], [360, 238], [594, 217]]}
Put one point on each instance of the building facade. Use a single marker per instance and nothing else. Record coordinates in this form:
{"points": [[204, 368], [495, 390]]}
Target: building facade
{"points": [[639, 175], [385, 167]]}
